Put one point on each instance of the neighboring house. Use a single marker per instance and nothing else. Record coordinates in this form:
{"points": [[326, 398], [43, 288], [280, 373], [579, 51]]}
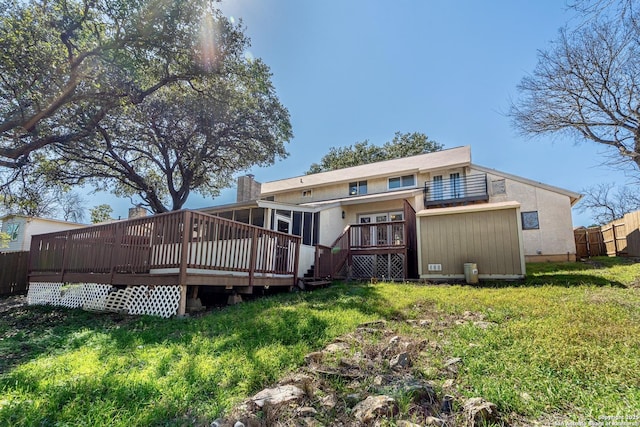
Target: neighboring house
{"points": [[20, 228], [423, 216]]}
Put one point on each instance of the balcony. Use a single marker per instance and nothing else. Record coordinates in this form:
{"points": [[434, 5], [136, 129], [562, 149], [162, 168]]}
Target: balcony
{"points": [[455, 191]]}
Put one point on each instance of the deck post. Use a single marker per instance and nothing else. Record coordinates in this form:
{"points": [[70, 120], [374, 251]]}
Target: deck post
{"points": [[253, 256], [184, 254]]}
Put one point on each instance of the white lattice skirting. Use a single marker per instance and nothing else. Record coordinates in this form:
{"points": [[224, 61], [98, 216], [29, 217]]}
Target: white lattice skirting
{"points": [[154, 300]]}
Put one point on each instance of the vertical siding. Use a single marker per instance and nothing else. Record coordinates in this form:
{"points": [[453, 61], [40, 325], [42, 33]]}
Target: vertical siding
{"points": [[488, 238]]}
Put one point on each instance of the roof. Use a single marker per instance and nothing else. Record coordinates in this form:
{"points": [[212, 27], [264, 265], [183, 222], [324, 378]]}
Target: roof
{"points": [[573, 196], [35, 218], [444, 159]]}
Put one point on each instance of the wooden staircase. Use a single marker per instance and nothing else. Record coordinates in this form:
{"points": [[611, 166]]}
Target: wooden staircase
{"points": [[309, 282]]}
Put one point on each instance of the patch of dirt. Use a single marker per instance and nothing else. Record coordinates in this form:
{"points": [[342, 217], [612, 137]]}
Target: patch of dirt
{"points": [[12, 302], [374, 376]]}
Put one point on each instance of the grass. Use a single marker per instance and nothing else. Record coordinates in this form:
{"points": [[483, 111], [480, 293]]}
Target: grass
{"points": [[565, 341]]}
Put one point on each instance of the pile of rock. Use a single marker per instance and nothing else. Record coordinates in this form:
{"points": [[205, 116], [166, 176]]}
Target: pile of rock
{"points": [[365, 378]]}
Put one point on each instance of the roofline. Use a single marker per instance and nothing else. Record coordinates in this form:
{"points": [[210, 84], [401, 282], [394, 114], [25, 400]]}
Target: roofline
{"points": [[412, 169], [573, 196], [353, 200], [28, 217]]}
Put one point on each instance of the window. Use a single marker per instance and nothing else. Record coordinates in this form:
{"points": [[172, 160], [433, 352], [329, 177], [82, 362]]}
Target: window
{"points": [[402, 181], [437, 188], [530, 220], [356, 188], [456, 189], [306, 193], [12, 231]]}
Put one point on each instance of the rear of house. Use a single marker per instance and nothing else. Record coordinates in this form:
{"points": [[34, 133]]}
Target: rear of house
{"points": [[371, 207]]}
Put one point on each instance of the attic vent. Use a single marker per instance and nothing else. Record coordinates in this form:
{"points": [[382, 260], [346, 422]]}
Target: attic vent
{"points": [[498, 186]]}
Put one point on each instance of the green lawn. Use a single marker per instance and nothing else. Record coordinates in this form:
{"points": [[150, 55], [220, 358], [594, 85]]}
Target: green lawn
{"points": [[565, 342]]}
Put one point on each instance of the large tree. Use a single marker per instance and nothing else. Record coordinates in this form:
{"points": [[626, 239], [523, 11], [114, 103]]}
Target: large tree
{"points": [[587, 85], [606, 202], [362, 153], [93, 86]]}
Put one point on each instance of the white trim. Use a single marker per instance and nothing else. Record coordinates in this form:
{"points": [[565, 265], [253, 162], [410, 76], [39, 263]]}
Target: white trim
{"points": [[402, 187], [575, 197], [469, 208]]}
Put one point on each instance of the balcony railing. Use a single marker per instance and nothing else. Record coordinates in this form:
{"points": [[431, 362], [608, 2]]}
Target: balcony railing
{"points": [[456, 191]]}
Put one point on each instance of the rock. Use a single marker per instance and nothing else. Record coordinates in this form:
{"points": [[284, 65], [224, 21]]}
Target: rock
{"points": [[404, 423], [448, 383], [336, 347], [433, 421], [479, 412], [484, 324], [374, 406], [378, 380], [329, 401], [452, 364], [315, 357], [425, 322], [394, 340], [277, 395], [238, 424], [421, 391], [399, 361], [306, 411], [217, 423]]}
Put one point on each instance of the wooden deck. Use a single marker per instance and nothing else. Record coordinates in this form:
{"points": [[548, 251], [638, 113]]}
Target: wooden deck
{"points": [[183, 248], [361, 251]]}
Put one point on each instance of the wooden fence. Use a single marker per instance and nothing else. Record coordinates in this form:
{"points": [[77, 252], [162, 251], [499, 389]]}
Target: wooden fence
{"points": [[14, 267], [617, 238]]}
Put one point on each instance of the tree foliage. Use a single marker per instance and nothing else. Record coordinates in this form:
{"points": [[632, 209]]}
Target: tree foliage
{"points": [[100, 213], [361, 153], [151, 98], [606, 202], [587, 85]]}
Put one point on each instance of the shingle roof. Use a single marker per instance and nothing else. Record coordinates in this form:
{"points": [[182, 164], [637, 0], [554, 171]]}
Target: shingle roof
{"points": [[453, 157]]}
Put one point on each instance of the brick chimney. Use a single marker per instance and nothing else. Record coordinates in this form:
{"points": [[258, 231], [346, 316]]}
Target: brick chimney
{"points": [[248, 189], [137, 212]]}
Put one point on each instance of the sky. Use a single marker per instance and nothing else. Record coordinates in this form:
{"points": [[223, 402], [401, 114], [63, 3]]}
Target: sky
{"points": [[355, 70]]}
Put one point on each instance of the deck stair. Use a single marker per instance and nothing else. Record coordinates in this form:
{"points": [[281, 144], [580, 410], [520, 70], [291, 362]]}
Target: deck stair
{"points": [[309, 282]]}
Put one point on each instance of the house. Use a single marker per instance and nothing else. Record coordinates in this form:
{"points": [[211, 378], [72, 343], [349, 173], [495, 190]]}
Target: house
{"points": [[423, 216], [21, 228]]}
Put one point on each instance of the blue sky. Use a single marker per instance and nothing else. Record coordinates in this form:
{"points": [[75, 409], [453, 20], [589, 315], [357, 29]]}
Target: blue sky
{"points": [[354, 70]]}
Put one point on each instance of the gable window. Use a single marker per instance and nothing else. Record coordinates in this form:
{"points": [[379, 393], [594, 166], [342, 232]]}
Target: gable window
{"points": [[356, 188], [530, 220], [306, 193], [402, 182]]}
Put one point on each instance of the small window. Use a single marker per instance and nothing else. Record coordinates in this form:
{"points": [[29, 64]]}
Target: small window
{"points": [[306, 193], [530, 220], [357, 188], [402, 182], [12, 231]]}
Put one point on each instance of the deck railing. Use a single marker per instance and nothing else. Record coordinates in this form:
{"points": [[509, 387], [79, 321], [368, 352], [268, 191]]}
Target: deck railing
{"points": [[377, 235], [459, 189], [177, 240], [331, 259]]}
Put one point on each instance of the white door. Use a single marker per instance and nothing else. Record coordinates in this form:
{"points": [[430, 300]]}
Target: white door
{"points": [[283, 224]]}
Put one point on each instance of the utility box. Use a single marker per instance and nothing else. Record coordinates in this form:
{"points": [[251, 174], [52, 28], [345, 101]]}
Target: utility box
{"points": [[471, 272]]}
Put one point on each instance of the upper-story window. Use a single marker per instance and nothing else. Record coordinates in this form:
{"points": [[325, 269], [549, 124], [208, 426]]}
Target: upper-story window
{"points": [[402, 181], [306, 193], [356, 188], [12, 231]]}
